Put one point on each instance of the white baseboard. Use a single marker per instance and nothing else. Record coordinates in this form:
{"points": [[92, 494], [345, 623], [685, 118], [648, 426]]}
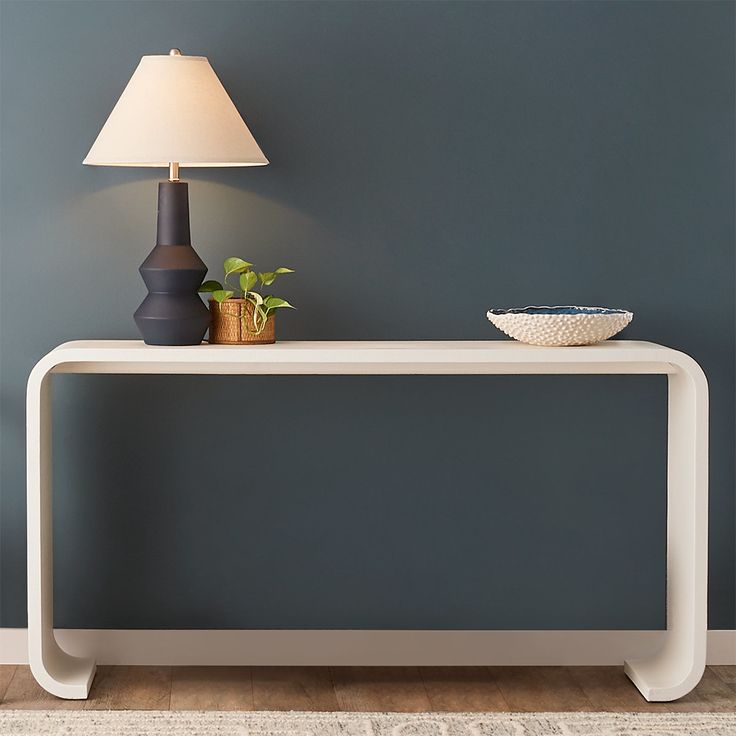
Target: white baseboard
{"points": [[351, 647]]}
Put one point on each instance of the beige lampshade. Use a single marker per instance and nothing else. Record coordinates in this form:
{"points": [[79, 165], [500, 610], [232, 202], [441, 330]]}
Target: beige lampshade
{"points": [[175, 109]]}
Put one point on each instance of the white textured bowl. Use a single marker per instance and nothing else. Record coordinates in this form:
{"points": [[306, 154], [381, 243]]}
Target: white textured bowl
{"points": [[560, 326]]}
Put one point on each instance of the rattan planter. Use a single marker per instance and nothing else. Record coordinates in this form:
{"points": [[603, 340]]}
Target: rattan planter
{"points": [[231, 323]]}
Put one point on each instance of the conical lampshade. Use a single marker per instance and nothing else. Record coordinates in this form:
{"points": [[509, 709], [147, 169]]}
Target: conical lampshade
{"points": [[175, 109]]}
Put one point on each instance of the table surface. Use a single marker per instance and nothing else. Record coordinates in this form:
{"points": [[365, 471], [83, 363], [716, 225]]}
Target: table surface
{"points": [[416, 356], [281, 346]]}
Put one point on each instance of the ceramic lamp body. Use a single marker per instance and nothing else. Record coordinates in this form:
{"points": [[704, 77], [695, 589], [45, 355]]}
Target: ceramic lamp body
{"points": [[172, 313]]}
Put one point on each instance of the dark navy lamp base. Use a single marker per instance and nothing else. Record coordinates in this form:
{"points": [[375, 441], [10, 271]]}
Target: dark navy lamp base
{"points": [[173, 312]]}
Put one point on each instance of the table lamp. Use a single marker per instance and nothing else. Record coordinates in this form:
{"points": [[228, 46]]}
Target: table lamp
{"points": [[174, 112]]}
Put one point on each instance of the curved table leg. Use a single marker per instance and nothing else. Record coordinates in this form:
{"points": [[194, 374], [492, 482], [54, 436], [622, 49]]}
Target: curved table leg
{"points": [[677, 668], [55, 670]]}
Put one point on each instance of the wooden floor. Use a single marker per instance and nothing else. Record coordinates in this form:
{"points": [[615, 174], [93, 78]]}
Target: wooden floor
{"points": [[407, 689]]}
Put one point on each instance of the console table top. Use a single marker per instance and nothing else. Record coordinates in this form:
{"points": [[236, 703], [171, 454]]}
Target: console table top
{"points": [[367, 357], [346, 345]]}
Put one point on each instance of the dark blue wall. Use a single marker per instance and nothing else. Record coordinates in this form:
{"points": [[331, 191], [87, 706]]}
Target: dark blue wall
{"points": [[429, 160]]}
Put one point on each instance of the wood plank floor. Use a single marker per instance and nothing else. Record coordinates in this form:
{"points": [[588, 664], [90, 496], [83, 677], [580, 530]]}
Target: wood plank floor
{"points": [[400, 689]]}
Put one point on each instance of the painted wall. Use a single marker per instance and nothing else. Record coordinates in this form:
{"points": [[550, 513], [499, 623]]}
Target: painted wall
{"points": [[429, 160]]}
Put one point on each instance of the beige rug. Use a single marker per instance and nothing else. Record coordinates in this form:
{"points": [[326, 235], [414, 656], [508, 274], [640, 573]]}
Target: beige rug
{"points": [[198, 723]]}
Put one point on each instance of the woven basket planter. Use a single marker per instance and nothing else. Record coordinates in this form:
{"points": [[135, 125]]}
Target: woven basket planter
{"points": [[231, 323]]}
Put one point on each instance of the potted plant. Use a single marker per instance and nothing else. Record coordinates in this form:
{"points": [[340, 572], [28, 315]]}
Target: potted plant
{"points": [[243, 316]]}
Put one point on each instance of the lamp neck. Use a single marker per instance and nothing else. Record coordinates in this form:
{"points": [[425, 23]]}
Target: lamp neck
{"points": [[173, 213], [173, 171]]}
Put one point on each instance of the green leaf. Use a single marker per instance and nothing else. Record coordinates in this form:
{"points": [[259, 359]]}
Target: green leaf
{"points": [[274, 302], [210, 286], [268, 277], [221, 295], [248, 280], [235, 265]]}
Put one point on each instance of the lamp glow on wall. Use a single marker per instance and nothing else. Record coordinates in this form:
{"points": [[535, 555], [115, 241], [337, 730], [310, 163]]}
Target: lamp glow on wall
{"points": [[174, 112]]}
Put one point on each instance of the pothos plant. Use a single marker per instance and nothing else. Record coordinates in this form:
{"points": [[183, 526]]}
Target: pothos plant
{"points": [[263, 305]]}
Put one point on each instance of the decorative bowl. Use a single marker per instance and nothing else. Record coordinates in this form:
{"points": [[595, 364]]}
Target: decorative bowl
{"points": [[560, 326]]}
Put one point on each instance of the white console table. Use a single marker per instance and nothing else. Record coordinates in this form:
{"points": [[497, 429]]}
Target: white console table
{"points": [[668, 675]]}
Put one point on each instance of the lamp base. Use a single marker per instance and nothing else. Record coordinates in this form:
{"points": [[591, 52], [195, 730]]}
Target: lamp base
{"points": [[173, 312]]}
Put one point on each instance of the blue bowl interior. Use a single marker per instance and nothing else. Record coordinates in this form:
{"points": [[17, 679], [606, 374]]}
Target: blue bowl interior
{"points": [[558, 310]]}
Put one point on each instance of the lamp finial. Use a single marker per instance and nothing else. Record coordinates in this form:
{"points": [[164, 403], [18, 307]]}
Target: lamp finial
{"points": [[175, 52]]}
